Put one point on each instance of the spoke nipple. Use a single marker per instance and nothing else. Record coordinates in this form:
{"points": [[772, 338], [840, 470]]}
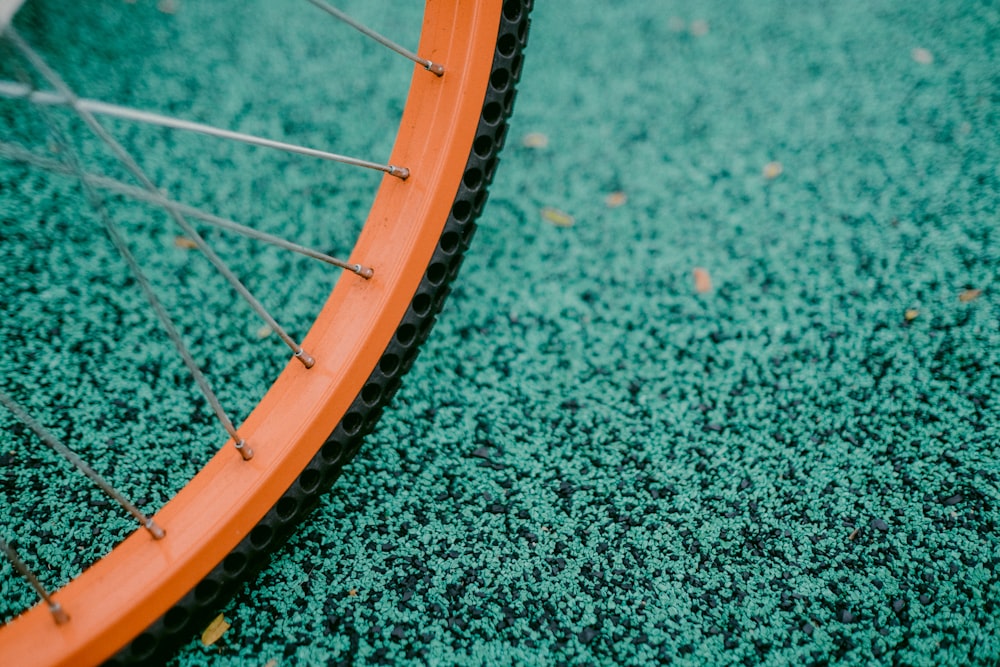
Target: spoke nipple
{"points": [[306, 358], [435, 68], [58, 613], [365, 272], [155, 530], [402, 173], [245, 452]]}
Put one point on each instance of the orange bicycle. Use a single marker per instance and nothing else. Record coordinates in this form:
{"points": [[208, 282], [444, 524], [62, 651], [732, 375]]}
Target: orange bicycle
{"points": [[165, 580]]}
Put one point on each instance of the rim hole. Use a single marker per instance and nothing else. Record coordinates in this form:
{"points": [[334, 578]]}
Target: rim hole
{"points": [[506, 45], [175, 618], [512, 11], [405, 334], [483, 146], [492, 113], [286, 508], [436, 273], [206, 591], [449, 242], [309, 480], [371, 393], [500, 79], [332, 451], [389, 364], [234, 563], [421, 304], [473, 179], [461, 210], [261, 536], [144, 645], [352, 423]]}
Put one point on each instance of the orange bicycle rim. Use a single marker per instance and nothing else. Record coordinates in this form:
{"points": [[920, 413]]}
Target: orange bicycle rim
{"points": [[122, 594]]}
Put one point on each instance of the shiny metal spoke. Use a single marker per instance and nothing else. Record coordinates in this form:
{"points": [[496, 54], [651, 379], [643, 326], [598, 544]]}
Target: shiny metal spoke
{"points": [[17, 153], [16, 90], [58, 613], [118, 240], [69, 455], [435, 68], [133, 167]]}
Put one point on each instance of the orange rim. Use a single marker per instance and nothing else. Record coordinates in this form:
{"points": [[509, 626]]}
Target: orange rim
{"points": [[121, 595]]}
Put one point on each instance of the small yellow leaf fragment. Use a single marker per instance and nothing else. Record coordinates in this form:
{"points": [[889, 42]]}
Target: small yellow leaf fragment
{"points": [[702, 281], [167, 6], [353, 593], [969, 295], [264, 331], [215, 630], [271, 663], [535, 140], [615, 199], [699, 27], [772, 170], [911, 314], [557, 217], [185, 242], [922, 56]]}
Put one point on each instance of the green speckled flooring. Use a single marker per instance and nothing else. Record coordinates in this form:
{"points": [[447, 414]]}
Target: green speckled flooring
{"points": [[592, 461]]}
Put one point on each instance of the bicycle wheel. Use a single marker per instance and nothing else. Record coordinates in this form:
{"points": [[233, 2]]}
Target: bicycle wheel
{"points": [[136, 602]]}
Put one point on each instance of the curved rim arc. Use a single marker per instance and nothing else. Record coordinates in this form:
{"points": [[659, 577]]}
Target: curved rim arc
{"points": [[120, 595]]}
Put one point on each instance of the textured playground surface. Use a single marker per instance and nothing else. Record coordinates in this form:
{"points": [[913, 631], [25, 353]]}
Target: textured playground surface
{"points": [[718, 381]]}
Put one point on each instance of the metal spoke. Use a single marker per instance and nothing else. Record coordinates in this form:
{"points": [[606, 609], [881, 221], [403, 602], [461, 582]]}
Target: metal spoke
{"points": [[46, 437], [58, 613], [435, 68], [15, 90], [129, 162], [161, 314], [18, 153]]}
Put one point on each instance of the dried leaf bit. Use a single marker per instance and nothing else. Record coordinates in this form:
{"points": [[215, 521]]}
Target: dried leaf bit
{"points": [[702, 281], [557, 217], [215, 630]]}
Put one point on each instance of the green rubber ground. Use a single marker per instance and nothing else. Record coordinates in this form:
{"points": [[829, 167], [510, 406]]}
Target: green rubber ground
{"points": [[594, 461]]}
